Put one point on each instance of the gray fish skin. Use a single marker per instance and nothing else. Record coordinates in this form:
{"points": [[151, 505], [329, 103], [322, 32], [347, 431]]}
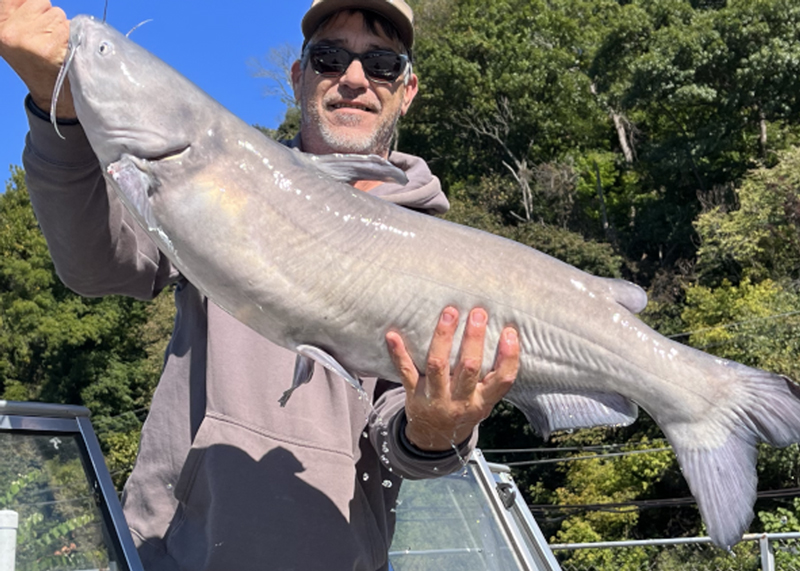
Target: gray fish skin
{"points": [[309, 262]]}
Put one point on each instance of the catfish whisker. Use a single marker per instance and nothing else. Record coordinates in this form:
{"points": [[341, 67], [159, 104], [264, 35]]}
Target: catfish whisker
{"points": [[62, 76], [138, 25]]}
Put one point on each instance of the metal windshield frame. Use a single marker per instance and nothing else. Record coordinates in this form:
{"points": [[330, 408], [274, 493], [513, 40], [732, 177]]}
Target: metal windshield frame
{"points": [[57, 419]]}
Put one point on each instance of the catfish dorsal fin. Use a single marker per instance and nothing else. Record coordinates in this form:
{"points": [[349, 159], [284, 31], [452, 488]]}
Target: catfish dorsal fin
{"points": [[351, 168], [627, 294]]}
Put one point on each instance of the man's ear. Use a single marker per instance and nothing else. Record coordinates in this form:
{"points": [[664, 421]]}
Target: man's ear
{"points": [[297, 78], [409, 92]]}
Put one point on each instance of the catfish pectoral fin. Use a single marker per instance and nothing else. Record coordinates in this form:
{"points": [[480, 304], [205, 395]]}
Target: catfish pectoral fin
{"points": [[135, 186], [303, 371], [350, 168]]}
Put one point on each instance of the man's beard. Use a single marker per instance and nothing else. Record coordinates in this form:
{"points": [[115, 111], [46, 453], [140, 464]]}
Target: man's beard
{"points": [[343, 140]]}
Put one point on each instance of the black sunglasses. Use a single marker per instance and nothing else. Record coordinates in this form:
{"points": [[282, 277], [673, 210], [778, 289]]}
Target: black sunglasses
{"points": [[380, 66]]}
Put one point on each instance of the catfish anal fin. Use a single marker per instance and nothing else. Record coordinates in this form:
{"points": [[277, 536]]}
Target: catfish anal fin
{"points": [[549, 412]]}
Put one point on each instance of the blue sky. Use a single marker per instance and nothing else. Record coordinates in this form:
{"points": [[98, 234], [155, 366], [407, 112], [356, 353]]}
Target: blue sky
{"points": [[210, 42]]}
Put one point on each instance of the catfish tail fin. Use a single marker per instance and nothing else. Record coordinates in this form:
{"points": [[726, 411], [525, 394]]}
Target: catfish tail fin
{"points": [[718, 455]]}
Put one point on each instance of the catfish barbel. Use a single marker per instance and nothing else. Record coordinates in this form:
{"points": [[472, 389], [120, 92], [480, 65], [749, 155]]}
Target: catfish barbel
{"points": [[326, 270]]}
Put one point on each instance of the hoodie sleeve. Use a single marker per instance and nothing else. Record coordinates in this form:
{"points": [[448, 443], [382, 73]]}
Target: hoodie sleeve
{"points": [[96, 246], [387, 432]]}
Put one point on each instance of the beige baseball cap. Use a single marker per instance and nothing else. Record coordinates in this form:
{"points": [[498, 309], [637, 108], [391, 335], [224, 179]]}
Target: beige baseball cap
{"points": [[396, 11]]}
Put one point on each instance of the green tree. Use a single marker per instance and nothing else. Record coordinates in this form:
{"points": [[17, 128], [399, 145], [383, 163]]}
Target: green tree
{"points": [[783, 520], [745, 303], [514, 69], [56, 346], [609, 480], [710, 91], [754, 324], [756, 235], [288, 128]]}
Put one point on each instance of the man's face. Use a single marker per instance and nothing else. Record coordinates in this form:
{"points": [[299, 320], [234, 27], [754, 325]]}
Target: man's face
{"points": [[350, 113]]}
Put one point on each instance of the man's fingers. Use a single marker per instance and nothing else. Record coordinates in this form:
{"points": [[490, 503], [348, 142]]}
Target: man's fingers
{"points": [[437, 368], [32, 8], [501, 379], [409, 375], [468, 370], [27, 18], [9, 6], [33, 41], [444, 409]]}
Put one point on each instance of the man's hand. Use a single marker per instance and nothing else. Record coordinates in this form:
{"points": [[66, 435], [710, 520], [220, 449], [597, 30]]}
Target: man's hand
{"points": [[33, 40], [443, 407]]}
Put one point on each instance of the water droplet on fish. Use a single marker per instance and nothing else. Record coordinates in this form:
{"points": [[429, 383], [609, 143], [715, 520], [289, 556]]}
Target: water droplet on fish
{"points": [[386, 483], [169, 486], [365, 477], [385, 448]]}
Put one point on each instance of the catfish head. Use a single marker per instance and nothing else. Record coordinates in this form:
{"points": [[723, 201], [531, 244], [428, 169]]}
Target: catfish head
{"points": [[128, 101]]}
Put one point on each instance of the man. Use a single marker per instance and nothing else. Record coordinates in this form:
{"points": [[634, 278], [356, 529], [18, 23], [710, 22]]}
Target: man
{"points": [[225, 478]]}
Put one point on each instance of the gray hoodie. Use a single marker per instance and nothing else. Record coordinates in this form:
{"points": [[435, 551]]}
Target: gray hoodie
{"points": [[226, 479]]}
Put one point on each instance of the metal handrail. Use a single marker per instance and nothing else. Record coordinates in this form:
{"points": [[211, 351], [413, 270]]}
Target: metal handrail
{"points": [[667, 541]]}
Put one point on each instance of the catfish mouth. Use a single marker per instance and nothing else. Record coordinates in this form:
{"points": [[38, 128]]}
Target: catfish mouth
{"points": [[143, 161], [177, 152]]}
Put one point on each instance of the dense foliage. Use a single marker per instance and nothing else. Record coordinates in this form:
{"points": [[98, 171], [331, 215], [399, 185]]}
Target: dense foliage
{"points": [[652, 139], [56, 346], [649, 139]]}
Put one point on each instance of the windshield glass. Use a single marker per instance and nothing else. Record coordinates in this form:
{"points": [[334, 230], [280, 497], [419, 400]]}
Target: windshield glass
{"points": [[49, 519], [447, 524]]}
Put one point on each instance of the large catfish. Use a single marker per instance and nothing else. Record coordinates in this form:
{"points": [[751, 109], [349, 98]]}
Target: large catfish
{"points": [[325, 270]]}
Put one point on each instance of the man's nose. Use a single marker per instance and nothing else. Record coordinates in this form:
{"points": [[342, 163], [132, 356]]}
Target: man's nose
{"points": [[354, 76]]}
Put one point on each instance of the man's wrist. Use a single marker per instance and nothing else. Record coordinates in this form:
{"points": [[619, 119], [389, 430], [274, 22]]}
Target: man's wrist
{"points": [[414, 450], [43, 114]]}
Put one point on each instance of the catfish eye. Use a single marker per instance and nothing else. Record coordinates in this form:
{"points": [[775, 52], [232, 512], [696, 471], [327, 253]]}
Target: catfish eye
{"points": [[105, 48]]}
